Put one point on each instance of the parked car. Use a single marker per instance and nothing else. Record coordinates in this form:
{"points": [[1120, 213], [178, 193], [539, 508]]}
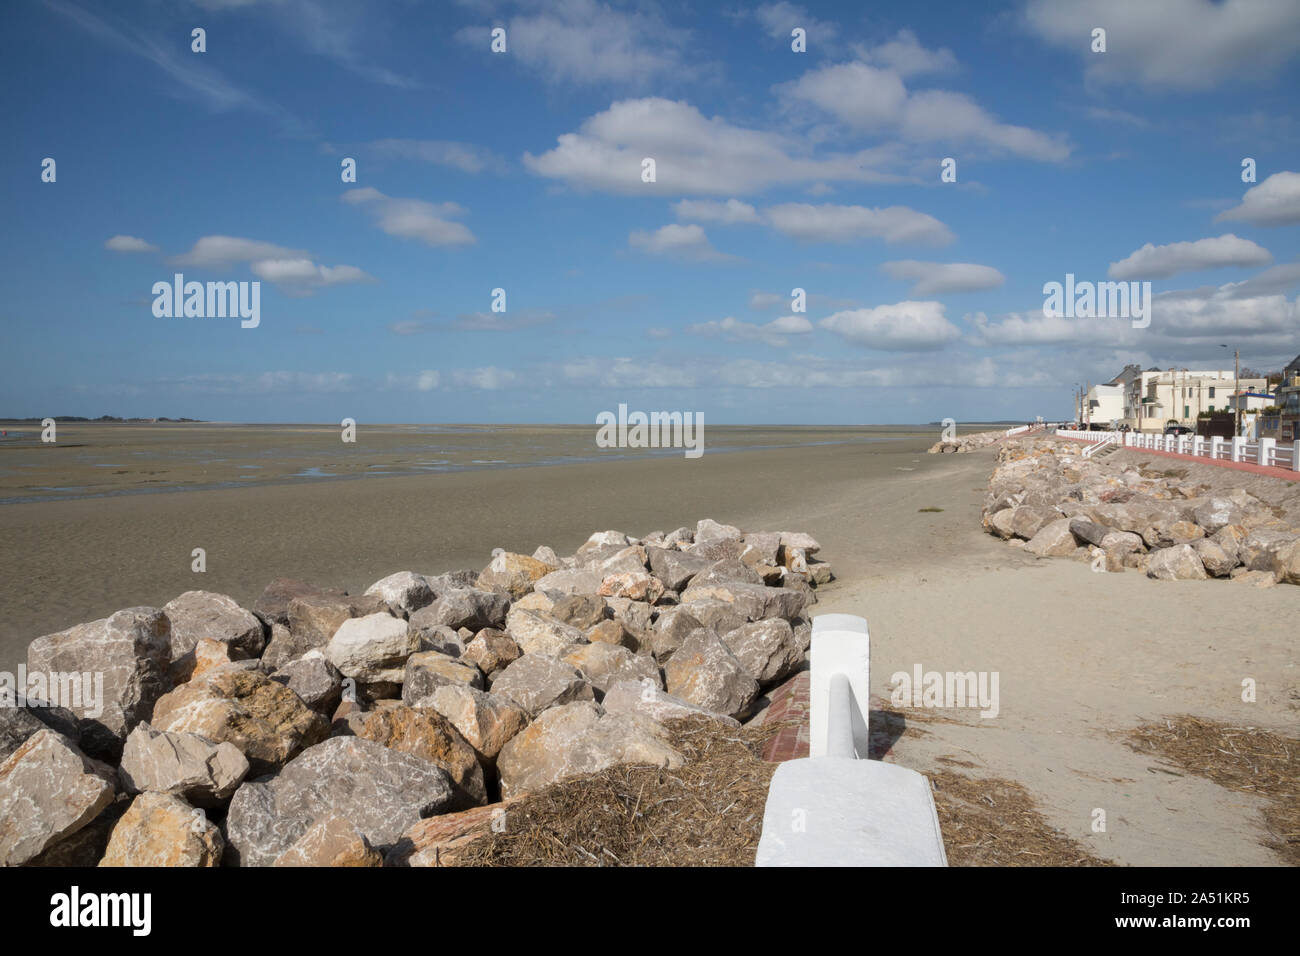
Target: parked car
{"points": [[1177, 430]]}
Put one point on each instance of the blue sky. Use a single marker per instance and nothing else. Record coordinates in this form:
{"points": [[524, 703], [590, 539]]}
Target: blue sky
{"points": [[521, 170]]}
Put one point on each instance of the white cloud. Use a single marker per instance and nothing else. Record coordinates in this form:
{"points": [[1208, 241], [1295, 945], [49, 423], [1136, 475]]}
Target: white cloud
{"points": [[488, 378], [779, 19], [676, 241], [1161, 262], [832, 223], [1274, 202], [867, 98], [938, 278], [732, 212], [591, 43], [427, 222], [1172, 44], [303, 274], [906, 57], [693, 154], [428, 381], [775, 333], [128, 244], [466, 157], [218, 252], [903, 326]]}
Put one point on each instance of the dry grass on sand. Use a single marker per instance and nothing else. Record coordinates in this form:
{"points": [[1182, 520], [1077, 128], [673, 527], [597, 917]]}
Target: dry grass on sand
{"points": [[1243, 759]]}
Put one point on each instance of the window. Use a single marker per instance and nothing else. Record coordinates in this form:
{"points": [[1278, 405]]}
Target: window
{"points": [[1211, 394]]}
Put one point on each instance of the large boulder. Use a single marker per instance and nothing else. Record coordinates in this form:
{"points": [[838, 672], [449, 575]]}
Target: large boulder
{"points": [[1286, 563], [1217, 562], [631, 559], [537, 633], [264, 719], [486, 721], [49, 790], [606, 664], [704, 672], [373, 648], [161, 829], [755, 601], [429, 670], [492, 651], [132, 651], [405, 591], [313, 678], [635, 585], [512, 574], [381, 791], [1179, 563], [198, 615], [1215, 513], [717, 615], [580, 738], [562, 583], [197, 770], [536, 682], [1170, 534], [676, 568], [316, 616], [766, 649], [429, 735], [1260, 548], [708, 531], [1054, 539], [331, 841], [648, 700], [19, 720], [1026, 520], [464, 607]]}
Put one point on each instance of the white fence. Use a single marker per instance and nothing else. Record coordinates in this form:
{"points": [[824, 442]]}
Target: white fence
{"points": [[836, 807], [1266, 451]]}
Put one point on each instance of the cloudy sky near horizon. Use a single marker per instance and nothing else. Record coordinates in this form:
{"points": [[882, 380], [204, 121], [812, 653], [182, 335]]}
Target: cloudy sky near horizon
{"points": [[522, 170]]}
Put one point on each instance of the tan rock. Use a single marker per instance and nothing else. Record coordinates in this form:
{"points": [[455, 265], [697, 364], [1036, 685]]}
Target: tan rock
{"points": [[492, 651], [430, 736], [610, 631], [513, 574], [163, 830], [486, 721], [331, 841], [606, 664], [636, 585], [540, 634], [440, 840]]}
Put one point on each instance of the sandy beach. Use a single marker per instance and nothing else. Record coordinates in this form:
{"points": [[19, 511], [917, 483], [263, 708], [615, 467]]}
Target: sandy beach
{"points": [[1080, 655]]}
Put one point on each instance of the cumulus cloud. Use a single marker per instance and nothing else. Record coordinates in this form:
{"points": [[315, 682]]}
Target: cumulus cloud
{"points": [[779, 19], [584, 42], [903, 326], [430, 223], [938, 278], [905, 56], [128, 244], [775, 333], [1172, 44], [1161, 262], [305, 274], [693, 154], [216, 252], [489, 378], [1274, 202], [729, 213], [292, 270], [678, 242], [833, 223]]}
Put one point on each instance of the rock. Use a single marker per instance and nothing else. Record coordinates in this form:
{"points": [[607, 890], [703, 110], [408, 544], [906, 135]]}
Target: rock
{"points": [[602, 539], [606, 664], [161, 829], [559, 584], [132, 650], [717, 615], [583, 611], [1286, 563], [671, 630], [707, 530], [49, 790], [1179, 563], [1214, 513], [463, 578], [793, 559], [1260, 548], [512, 574], [649, 700], [315, 617], [547, 555], [1216, 561], [439, 637], [631, 559], [430, 736], [486, 721], [1230, 538], [635, 616], [331, 841], [1121, 542], [719, 549], [575, 739], [767, 649], [441, 840], [492, 651], [429, 670], [1259, 579], [267, 722], [761, 547], [382, 792], [819, 573], [539, 634], [1027, 520], [535, 601], [19, 721], [678, 539], [704, 672], [185, 765], [313, 678], [999, 523], [1167, 534], [636, 585], [726, 572], [283, 647], [1054, 539], [372, 648], [755, 601], [206, 655], [538, 681], [204, 614], [1089, 532], [612, 632], [464, 607], [405, 590], [273, 605]]}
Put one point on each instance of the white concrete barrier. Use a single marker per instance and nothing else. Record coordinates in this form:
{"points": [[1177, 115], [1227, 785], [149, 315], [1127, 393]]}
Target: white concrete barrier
{"points": [[836, 807]]}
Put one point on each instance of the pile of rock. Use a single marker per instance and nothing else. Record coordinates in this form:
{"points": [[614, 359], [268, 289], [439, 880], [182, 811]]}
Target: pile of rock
{"points": [[1046, 497], [966, 443], [323, 728]]}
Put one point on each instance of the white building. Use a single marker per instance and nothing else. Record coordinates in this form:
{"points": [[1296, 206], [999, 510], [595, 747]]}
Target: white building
{"points": [[1155, 398]]}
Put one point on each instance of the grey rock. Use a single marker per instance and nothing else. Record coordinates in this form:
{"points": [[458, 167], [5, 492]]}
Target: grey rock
{"points": [[536, 682], [464, 607], [186, 765], [404, 590]]}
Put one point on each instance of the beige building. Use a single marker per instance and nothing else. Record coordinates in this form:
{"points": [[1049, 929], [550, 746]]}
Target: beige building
{"points": [[1155, 399]]}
